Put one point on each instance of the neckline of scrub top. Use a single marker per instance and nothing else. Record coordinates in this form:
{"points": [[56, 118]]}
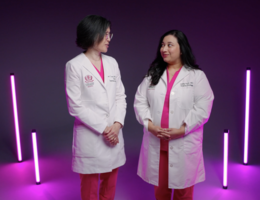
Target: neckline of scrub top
{"points": [[164, 144], [101, 72]]}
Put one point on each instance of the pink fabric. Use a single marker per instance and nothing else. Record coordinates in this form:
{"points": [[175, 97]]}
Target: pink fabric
{"points": [[162, 192], [89, 185], [101, 72], [165, 113]]}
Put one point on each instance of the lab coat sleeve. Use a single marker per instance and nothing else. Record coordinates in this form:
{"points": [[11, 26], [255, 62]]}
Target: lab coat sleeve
{"points": [[141, 104], [75, 106], [120, 99], [203, 100]]}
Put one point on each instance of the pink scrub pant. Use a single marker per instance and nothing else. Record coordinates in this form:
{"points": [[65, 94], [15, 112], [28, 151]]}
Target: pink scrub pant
{"points": [[89, 185], [162, 192]]}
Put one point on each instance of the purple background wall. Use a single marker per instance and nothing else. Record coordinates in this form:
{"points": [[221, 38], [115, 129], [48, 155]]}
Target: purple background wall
{"points": [[38, 38]]}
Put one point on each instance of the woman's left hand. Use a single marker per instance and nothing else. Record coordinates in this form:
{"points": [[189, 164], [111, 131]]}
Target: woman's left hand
{"points": [[112, 134], [174, 133]]}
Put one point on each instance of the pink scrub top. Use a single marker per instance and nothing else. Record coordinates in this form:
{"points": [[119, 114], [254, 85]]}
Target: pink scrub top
{"points": [[101, 72], [165, 113]]}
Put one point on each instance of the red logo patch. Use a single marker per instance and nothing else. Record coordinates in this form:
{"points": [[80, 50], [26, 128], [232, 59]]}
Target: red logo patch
{"points": [[88, 79]]}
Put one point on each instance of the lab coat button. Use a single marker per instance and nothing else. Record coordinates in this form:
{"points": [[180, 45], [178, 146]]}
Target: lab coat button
{"points": [[171, 165], [172, 93], [171, 147], [172, 112]]}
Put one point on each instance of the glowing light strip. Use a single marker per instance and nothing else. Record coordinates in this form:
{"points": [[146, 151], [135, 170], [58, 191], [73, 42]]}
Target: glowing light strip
{"points": [[225, 160], [248, 76], [35, 155], [16, 122]]}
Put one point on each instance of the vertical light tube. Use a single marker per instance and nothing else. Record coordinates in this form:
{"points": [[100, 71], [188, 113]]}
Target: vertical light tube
{"points": [[248, 77], [35, 155], [225, 160], [16, 122]]}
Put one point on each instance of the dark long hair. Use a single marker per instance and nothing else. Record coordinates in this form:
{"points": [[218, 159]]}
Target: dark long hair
{"points": [[90, 30], [158, 65]]}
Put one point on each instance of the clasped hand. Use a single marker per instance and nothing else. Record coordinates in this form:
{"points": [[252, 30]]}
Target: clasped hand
{"points": [[111, 133], [166, 133]]}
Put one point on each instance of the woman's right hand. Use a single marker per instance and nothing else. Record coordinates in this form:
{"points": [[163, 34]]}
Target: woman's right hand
{"points": [[156, 131], [112, 140]]}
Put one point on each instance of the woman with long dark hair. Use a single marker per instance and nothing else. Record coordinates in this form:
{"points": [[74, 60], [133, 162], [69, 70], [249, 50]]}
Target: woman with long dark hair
{"points": [[96, 98], [173, 102]]}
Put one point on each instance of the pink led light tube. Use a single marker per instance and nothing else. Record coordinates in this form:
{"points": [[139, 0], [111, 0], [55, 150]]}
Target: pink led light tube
{"points": [[16, 122], [35, 155], [248, 76], [225, 160]]}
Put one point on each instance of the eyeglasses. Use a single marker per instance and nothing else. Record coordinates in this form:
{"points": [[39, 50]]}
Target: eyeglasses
{"points": [[109, 36]]}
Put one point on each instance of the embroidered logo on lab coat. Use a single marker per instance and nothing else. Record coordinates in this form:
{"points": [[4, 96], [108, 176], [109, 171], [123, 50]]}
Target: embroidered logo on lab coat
{"points": [[187, 84], [89, 81]]}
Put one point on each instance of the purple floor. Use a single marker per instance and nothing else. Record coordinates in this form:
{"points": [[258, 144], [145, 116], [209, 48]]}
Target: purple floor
{"points": [[59, 182]]}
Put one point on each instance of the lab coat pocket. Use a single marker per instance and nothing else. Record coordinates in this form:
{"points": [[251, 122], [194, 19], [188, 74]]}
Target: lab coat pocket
{"points": [[91, 92], [185, 98], [193, 143], [150, 92], [84, 143]]}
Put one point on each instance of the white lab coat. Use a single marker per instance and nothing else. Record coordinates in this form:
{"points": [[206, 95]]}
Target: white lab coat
{"points": [[95, 105], [191, 101]]}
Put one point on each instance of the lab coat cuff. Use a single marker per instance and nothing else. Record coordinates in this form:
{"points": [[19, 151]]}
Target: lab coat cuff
{"points": [[119, 121], [145, 122], [102, 128], [186, 128]]}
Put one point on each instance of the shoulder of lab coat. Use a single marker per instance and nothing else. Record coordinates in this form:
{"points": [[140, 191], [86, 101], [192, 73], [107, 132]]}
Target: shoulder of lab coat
{"points": [[141, 104], [73, 94], [203, 101], [120, 91]]}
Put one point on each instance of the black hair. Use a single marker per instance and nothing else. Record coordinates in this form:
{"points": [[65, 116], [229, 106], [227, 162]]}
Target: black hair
{"points": [[158, 65], [91, 30]]}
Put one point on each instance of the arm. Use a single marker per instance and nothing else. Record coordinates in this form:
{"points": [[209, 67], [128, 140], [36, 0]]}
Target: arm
{"points": [[112, 134], [141, 104], [120, 99], [203, 100], [75, 106], [142, 111]]}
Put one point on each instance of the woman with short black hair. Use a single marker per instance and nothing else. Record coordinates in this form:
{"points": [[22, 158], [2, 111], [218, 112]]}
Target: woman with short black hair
{"points": [[173, 102], [96, 98]]}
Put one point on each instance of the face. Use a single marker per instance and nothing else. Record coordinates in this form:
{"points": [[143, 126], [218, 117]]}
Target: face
{"points": [[104, 44], [170, 50]]}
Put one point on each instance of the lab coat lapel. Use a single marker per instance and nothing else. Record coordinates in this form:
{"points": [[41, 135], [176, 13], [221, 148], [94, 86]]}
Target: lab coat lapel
{"points": [[89, 66], [164, 77], [105, 68], [184, 72]]}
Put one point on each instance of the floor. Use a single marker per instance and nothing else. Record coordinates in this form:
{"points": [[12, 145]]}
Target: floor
{"points": [[59, 182]]}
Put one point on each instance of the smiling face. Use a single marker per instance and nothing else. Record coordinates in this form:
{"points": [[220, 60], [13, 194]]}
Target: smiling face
{"points": [[104, 44], [170, 50]]}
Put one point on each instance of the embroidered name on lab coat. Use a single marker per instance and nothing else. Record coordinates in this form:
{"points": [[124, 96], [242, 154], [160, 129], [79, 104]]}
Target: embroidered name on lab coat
{"points": [[89, 81], [112, 78], [151, 87], [187, 84]]}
